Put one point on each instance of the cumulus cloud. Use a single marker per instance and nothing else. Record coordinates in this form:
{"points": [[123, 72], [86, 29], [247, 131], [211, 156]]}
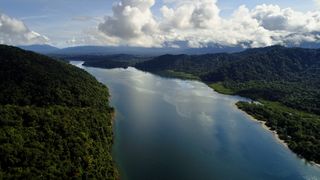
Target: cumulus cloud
{"points": [[273, 18], [198, 23], [15, 32], [200, 15], [132, 22]]}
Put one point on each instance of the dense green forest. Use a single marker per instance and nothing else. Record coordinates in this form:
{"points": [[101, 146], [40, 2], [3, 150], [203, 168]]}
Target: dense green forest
{"points": [[55, 121], [290, 76]]}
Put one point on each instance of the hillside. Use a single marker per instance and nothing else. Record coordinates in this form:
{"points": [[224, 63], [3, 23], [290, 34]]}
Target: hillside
{"points": [[55, 120], [141, 51], [288, 75], [195, 64], [40, 48]]}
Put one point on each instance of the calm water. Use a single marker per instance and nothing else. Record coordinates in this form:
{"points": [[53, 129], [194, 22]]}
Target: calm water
{"points": [[174, 129]]}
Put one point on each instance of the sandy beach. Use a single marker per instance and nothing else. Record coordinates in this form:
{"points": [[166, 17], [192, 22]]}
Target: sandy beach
{"points": [[275, 134], [264, 126]]}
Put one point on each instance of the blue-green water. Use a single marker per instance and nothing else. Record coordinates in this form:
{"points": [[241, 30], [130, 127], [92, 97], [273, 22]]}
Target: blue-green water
{"points": [[171, 129]]}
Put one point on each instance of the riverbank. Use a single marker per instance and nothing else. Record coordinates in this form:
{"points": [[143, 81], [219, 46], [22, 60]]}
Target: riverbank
{"points": [[265, 127], [275, 135], [291, 128], [178, 75], [296, 128], [218, 87]]}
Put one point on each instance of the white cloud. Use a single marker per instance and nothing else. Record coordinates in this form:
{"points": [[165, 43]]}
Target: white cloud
{"points": [[274, 18], [317, 2], [198, 15], [15, 32], [198, 23], [132, 22]]}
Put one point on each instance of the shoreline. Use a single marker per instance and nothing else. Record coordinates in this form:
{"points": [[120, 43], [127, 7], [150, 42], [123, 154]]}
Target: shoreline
{"points": [[275, 135], [265, 127]]}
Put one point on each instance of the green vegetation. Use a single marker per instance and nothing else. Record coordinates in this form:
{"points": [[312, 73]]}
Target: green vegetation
{"points": [[300, 130], [175, 74], [55, 121], [288, 75], [220, 88], [198, 65]]}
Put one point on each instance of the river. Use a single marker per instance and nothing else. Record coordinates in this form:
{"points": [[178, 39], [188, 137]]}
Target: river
{"points": [[170, 129]]}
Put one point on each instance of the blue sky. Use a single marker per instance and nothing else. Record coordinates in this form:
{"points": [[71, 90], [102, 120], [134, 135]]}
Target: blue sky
{"points": [[64, 20]]}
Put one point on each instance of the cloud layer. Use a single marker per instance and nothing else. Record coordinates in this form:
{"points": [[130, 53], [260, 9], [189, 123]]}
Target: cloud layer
{"points": [[199, 24], [15, 32]]}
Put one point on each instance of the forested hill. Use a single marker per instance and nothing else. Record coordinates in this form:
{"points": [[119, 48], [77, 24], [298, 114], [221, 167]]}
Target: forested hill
{"points": [[291, 76], [193, 64], [270, 63], [55, 121], [110, 61]]}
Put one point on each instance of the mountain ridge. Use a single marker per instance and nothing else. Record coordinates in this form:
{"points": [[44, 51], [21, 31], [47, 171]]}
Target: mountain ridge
{"points": [[113, 50], [145, 51], [40, 48]]}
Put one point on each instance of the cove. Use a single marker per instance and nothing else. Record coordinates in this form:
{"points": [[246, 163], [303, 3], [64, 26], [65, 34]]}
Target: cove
{"points": [[175, 129]]}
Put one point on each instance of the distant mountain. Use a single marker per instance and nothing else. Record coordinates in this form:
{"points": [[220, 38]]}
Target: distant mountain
{"points": [[40, 48], [141, 51], [55, 120], [310, 45]]}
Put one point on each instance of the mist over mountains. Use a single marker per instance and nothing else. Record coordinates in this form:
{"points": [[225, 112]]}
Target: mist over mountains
{"points": [[111, 50]]}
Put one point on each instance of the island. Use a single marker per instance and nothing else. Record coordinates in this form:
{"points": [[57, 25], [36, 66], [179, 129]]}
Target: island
{"points": [[56, 122]]}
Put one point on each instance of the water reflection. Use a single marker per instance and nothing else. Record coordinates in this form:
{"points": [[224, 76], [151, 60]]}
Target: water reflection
{"points": [[175, 129]]}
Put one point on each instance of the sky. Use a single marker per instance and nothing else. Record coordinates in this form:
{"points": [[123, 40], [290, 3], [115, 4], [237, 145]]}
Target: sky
{"points": [[161, 23]]}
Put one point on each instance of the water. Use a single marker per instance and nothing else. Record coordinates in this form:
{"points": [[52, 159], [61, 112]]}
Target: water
{"points": [[174, 129]]}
